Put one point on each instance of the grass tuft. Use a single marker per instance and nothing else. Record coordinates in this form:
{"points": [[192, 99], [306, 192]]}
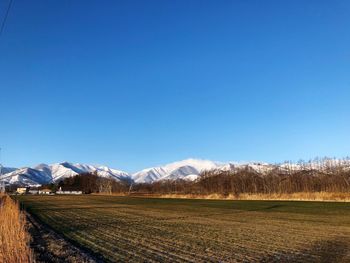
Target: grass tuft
{"points": [[14, 238], [300, 196]]}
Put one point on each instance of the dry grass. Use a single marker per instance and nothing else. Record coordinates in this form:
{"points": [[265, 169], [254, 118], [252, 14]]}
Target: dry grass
{"points": [[14, 238], [301, 196]]}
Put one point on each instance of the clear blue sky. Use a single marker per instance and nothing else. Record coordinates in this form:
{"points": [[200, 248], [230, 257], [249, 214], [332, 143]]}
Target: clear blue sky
{"points": [[132, 84]]}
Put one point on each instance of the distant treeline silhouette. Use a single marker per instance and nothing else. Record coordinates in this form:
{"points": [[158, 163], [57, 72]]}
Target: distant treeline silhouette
{"points": [[91, 183], [318, 175], [249, 182]]}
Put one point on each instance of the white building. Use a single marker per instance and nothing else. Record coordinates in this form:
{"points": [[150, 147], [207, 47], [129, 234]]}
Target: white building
{"points": [[22, 190], [45, 192], [65, 192]]}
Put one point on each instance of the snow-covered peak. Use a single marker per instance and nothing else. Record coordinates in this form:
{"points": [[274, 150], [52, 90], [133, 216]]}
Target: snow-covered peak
{"points": [[26, 176], [44, 174], [5, 170], [189, 169], [198, 164], [175, 170]]}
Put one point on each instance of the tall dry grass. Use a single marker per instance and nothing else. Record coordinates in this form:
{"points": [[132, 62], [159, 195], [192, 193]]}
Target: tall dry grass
{"points": [[14, 238], [300, 196]]}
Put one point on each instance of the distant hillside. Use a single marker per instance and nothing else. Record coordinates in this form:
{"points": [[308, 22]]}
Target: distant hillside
{"points": [[45, 174], [187, 170]]}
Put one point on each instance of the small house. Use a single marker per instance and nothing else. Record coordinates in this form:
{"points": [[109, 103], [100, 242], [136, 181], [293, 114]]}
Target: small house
{"points": [[45, 192], [22, 190], [69, 191]]}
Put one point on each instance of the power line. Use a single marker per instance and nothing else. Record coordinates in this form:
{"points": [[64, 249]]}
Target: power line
{"points": [[5, 18], [2, 183]]}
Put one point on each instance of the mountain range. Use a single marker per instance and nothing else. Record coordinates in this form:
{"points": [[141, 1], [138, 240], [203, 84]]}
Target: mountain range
{"points": [[45, 174], [189, 169]]}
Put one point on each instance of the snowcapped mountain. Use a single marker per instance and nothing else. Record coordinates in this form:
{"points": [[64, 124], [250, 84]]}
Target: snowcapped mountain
{"points": [[25, 176], [190, 169], [45, 174], [63, 170], [258, 167], [187, 169], [5, 170]]}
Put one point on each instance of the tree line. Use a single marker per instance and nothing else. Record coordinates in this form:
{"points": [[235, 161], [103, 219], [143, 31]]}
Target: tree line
{"points": [[320, 175], [331, 177], [89, 183]]}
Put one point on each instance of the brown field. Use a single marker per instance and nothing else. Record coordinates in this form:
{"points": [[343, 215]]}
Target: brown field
{"points": [[14, 238], [126, 229]]}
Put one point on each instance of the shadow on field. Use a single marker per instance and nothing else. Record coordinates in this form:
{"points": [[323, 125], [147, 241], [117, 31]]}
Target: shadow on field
{"points": [[271, 207], [49, 246], [328, 251]]}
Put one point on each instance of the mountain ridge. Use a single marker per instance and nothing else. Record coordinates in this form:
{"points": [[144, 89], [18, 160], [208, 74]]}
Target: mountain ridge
{"points": [[188, 169]]}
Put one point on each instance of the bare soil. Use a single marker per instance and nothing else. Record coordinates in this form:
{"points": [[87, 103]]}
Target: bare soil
{"points": [[126, 229], [48, 246]]}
